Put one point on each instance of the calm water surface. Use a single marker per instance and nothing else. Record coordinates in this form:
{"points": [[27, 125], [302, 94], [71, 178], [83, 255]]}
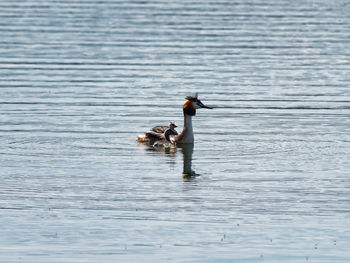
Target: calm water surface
{"points": [[80, 79]]}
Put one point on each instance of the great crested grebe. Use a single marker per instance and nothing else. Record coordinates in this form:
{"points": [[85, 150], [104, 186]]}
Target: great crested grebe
{"points": [[186, 136]]}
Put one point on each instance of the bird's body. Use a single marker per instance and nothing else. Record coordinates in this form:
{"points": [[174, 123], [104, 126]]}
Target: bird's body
{"points": [[158, 134], [161, 129], [166, 142]]}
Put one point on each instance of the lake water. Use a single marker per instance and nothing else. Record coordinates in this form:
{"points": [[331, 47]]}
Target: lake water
{"points": [[79, 80]]}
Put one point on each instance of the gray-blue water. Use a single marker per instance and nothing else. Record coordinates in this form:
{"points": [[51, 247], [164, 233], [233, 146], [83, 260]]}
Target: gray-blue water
{"points": [[79, 80]]}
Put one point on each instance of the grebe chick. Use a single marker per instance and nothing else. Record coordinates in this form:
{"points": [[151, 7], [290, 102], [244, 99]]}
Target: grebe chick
{"points": [[168, 139], [158, 134]]}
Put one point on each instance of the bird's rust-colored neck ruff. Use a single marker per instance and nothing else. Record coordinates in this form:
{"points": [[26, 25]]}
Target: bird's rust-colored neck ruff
{"points": [[189, 108]]}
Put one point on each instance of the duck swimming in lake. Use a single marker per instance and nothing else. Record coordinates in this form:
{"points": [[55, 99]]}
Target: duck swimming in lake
{"points": [[186, 136]]}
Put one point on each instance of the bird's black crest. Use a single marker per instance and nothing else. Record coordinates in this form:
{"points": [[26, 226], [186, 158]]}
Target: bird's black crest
{"points": [[193, 98]]}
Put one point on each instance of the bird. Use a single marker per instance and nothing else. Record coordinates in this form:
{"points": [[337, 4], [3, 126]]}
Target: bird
{"points": [[168, 135], [158, 135]]}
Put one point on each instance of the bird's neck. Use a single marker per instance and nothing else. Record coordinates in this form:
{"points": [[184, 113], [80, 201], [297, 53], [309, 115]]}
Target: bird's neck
{"points": [[187, 132]]}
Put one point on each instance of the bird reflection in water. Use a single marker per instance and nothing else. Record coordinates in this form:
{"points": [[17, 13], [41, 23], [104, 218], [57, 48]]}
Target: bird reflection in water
{"points": [[187, 151]]}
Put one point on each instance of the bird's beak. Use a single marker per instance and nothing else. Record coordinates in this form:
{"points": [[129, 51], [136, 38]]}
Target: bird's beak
{"points": [[200, 104]]}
